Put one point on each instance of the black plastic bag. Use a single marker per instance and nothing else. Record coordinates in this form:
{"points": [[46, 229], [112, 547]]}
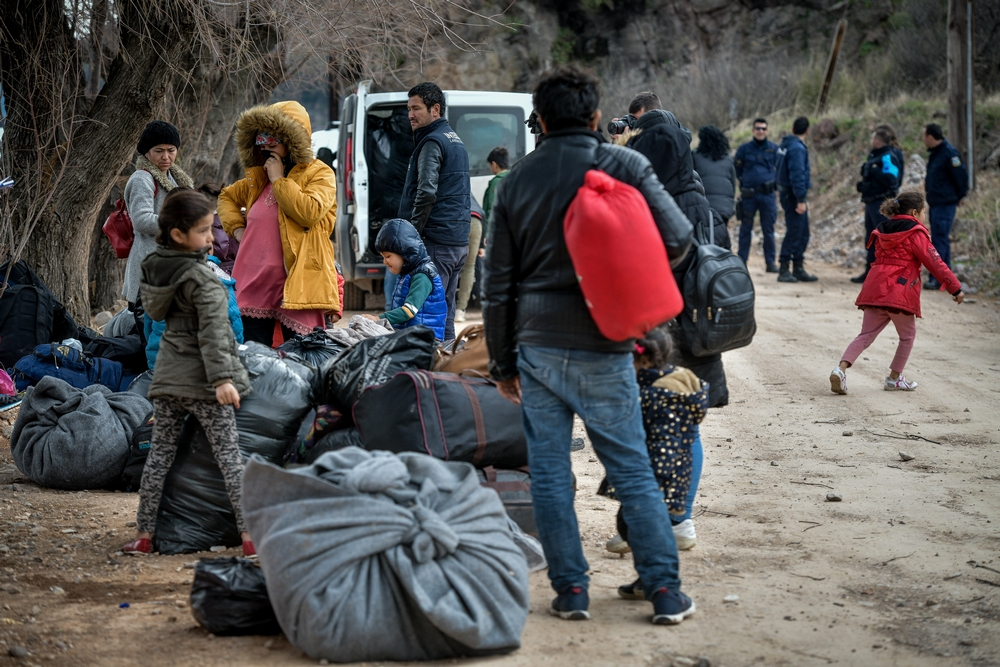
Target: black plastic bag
{"points": [[195, 513], [311, 349], [229, 597], [373, 361], [331, 442]]}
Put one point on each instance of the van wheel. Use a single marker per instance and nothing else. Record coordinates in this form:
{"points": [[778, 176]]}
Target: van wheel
{"points": [[354, 297]]}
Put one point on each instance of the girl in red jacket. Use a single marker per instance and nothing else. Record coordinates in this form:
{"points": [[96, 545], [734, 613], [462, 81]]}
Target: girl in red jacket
{"points": [[891, 292]]}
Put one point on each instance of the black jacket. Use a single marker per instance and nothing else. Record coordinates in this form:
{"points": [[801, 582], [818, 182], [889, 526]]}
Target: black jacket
{"points": [[880, 175], [530, 291], [719, 177], [667, 146], [437, 195], [947, 180]]}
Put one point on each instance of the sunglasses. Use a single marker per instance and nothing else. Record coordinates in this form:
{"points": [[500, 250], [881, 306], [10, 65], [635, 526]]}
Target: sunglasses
{"points": [[760, 129]]}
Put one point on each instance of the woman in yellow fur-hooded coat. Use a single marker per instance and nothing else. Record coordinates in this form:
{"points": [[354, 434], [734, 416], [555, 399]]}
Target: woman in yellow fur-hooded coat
{"points": [[306, 200]]}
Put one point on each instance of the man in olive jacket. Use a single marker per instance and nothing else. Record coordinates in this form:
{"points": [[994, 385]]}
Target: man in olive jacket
{"points": [[547, 353]]}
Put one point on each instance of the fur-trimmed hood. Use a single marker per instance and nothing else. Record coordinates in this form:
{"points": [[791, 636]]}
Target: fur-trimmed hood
{"points": [[183, 180], [288, 121]]}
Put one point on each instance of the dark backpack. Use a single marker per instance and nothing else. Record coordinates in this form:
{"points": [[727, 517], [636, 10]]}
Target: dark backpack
{"points": [[718, 301], [447, 416], [29, 315], [70, 365], [514, 489]]}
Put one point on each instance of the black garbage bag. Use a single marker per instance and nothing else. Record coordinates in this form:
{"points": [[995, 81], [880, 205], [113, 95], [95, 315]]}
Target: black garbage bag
{"points": [[373, 361], [229, 597], [311, 349], [331, 442], [195, 513]]}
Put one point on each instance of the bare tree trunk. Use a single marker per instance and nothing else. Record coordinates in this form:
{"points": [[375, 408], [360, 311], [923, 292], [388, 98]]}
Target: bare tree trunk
{"points": [[79, 170]]}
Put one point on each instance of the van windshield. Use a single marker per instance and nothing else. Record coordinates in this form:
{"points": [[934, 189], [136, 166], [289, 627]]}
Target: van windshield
{"points": [[484, 128]]}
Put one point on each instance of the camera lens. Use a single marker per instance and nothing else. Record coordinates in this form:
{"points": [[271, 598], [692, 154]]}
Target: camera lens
{"points": [[617, 126]]}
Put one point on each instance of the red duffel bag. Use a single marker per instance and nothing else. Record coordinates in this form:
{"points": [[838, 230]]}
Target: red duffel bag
{"points": [[619, 258]]}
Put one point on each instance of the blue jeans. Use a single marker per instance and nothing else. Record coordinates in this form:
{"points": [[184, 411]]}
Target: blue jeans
{"points": [[941, 219], [768, 214], [873, 218], [698, 455], [449, 261], [793, 247], [601, 388]]}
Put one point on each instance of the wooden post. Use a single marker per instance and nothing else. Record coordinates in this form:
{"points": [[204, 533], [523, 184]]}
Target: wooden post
{"points": [[959, 80], [831, 65]]}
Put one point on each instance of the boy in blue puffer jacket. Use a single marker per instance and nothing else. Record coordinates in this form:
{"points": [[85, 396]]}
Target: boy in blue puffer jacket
{"points": [[154, 329], [419, 297]]}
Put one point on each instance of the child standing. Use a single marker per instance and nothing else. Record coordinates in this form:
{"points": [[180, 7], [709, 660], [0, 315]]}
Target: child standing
{"points": [[197, 368], [891, 292], [674, 402], [419, 294]]}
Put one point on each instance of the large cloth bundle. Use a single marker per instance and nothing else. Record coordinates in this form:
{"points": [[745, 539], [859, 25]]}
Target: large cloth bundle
{"points": [[447, 416], [377, 556], [195, 512], [69, 438]]}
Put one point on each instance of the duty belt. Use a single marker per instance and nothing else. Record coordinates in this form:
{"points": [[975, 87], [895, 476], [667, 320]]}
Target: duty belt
{"points": [[765, 189]]}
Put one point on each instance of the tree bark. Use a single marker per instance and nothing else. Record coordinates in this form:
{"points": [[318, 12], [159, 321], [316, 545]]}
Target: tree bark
{"points": [[80, 164]]}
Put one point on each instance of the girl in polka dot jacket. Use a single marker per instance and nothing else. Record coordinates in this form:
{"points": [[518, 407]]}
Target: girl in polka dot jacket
{"points": [[674, 402]]}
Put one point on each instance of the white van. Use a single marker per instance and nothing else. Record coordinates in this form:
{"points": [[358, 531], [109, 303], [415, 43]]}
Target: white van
{"points": [[374, 151]]}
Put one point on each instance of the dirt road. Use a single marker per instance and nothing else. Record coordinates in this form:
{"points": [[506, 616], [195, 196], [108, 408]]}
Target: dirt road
{"points": [[905, 570]]}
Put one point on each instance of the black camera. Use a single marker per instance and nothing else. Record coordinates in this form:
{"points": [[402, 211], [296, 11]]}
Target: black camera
{"points": [[533, 125], [625, 123], [266, 154]]}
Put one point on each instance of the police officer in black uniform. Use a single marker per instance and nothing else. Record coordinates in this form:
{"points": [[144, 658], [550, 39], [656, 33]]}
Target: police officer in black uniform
{"points": [[880, 176], [946, 184], [755, 167]]}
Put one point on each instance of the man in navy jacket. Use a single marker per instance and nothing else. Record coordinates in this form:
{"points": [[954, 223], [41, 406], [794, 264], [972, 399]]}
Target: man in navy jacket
{"points": [[793, 186], [946, 184], [755, 167]]}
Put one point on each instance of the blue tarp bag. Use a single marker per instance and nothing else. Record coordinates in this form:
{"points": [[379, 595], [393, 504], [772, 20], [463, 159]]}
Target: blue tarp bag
{"points": [[69, 364]]}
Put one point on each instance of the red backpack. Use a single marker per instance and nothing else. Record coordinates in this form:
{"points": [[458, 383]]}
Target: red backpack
{"points": [[118, 227], [619, 258]]}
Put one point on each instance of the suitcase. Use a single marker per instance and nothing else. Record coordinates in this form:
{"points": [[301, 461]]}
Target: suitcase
{"points": [[514, 489], [447, 416]]}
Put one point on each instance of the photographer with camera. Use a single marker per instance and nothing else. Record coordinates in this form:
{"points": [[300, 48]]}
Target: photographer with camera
{"points": [[659, 136]]}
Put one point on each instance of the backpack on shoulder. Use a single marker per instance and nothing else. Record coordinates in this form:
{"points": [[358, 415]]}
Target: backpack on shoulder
{"points": [[118, 227], [619, 258], [718, 301]]}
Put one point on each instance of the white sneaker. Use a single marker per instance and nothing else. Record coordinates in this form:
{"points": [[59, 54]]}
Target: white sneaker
{"points": [[838, 381], [459, 315], [684, 535], [899, 384], [617, 545]]}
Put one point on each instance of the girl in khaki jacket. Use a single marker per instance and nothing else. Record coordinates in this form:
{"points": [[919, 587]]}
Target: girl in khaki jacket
{"points": [[197, 369], [285, 269]]}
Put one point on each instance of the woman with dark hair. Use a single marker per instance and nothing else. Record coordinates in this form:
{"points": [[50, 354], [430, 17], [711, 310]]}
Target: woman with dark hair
{"points": [[718, 173]]}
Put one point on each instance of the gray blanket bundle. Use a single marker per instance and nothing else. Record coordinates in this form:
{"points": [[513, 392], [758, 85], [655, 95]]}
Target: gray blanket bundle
{"points": [[68, 438], [378, 556]]}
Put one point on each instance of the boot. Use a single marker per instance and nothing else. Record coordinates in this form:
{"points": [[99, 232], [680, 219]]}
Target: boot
{"points": [[771, 268], [785, 276], [801, 275], [860, 279]]}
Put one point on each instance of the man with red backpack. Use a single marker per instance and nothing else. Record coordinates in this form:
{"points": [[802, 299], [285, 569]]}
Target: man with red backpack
{"points": [[548, 354]]}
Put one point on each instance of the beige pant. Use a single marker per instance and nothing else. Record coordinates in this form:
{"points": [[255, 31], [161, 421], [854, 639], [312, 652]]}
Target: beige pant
{"points": [[468, 276]]}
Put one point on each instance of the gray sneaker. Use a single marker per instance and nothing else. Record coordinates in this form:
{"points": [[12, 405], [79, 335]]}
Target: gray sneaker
{"points": [[899, 384]]}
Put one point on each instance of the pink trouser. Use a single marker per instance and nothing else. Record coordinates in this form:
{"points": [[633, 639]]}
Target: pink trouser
{"points": [[875, 320]]}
